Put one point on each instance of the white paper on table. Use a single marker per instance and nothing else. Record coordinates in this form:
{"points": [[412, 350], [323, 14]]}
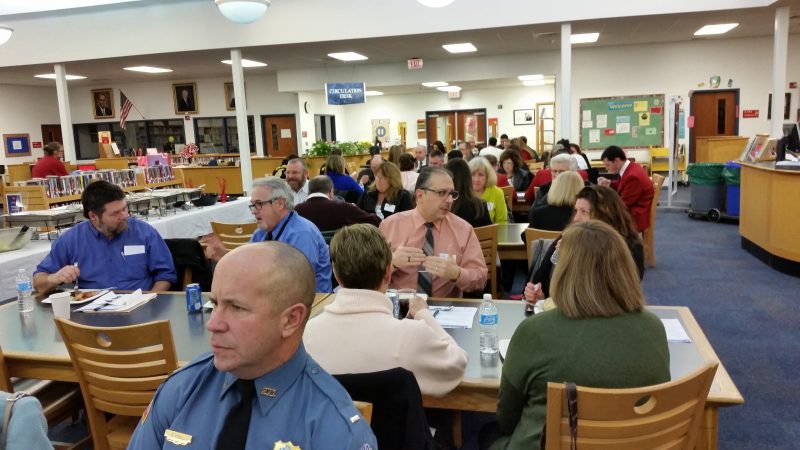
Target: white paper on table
{"points": [[458, 317], [594, 136], [675, 331], [503, 344], [602, 120], [112, 302]]}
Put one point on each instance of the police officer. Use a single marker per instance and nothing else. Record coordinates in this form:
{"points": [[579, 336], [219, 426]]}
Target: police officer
{"points": [[257, 355]]}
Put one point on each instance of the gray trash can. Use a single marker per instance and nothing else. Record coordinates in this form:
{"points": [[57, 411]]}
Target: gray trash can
{"points": [[707, 187]]}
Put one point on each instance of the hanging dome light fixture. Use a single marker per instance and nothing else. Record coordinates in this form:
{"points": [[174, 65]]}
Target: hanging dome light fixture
{"points": [[243, 11]]}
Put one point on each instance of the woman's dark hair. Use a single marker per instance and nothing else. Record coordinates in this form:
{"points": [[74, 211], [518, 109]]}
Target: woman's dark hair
{"points": [[512, 153], [98, 194], [406, 162], [439, 146], [607, 206], [462, 182]]}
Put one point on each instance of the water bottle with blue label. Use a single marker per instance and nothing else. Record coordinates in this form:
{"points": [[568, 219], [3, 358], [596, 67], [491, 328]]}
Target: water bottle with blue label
{"points": [[489, 320], [24, 291]]}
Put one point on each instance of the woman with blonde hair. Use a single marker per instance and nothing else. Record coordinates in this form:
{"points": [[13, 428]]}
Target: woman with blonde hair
{"points": [[343, 185], [394, 153], [386, 196], [484, 184], [554, 211], [598, 335]]}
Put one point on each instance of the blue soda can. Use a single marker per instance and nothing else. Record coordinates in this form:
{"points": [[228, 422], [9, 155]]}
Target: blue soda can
{"points": [[194, 299], [395, 298]]}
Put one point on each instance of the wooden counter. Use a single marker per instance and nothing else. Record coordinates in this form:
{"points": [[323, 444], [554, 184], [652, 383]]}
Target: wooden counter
{"points": [[719, 149], [770, 215], [194, 176]]}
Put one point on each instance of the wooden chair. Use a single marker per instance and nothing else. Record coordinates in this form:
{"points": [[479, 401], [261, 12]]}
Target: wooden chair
{"points": [[234, 235], [487, 236], [60, 400], [648, 235], [365, 409], [534, 166], [666, 415], [532, 234], [119, 370], [508, 193]]}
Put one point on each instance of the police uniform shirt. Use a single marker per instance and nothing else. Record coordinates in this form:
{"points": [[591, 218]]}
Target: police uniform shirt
{"points": [[298, 406]]}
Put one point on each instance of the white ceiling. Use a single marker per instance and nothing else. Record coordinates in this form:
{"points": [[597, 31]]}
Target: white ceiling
{"points": [[522, 40]]}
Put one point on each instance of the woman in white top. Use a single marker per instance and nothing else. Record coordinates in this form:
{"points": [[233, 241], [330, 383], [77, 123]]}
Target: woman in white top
{"points": [[407, 172]]}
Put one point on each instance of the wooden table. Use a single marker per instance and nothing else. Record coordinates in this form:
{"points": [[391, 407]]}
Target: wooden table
{"points": [[33, 349], [510, 245]]}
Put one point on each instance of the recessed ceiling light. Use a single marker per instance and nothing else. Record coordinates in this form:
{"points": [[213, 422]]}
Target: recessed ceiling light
{"points": [[371, 93], [434, 83], [464, 47], [52, 76], [435, 3], [348, 56], [246, 63], [720, 28], [148, 69], [534, 82], [449, 88], [583, 38], [531, 77]]}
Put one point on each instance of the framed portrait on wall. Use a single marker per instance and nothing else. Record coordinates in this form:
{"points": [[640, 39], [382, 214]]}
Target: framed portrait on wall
{"points": [[524, 116], [17, 145], [103, 103], [230, 100], [185, 97]]}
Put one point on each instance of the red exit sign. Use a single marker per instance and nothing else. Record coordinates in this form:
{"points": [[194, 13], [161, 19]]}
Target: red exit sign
{"points": [[415, 63], [750, 113], [36, 144]]}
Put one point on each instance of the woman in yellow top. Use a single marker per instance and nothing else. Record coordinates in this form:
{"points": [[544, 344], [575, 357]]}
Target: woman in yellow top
{"points": [[484, 183]]}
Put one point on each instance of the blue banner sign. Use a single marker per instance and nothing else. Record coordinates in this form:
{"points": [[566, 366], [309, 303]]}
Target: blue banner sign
{"points": [[345, 93]]}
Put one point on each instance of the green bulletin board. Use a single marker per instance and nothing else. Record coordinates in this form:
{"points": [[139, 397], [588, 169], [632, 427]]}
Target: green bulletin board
{"points": [[628, 122]]}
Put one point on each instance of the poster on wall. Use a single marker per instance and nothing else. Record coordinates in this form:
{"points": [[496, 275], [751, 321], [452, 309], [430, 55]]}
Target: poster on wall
{"points": [[17, 145], [420, 128], [380, 130]]}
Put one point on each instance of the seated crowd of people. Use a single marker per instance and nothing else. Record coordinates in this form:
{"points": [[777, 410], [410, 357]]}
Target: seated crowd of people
{"points": [[404, 223]]}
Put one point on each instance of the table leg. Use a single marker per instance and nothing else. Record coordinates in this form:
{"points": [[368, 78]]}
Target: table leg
{"points": [[457, 429], [707, 437]]}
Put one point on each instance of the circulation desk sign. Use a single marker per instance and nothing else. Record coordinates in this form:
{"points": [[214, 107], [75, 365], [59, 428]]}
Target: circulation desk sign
{"points": [[345, 93]]}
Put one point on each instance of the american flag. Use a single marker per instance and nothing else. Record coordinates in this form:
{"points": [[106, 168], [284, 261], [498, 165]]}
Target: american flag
{"points": [[124, 109]]}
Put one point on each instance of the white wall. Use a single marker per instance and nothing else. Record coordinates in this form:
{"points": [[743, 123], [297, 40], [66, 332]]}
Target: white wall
{"points": [[23, 110]]}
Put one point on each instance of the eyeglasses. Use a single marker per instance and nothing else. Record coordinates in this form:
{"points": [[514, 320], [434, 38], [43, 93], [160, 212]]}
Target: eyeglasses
{"points": [[443, 193], [258, 204]]}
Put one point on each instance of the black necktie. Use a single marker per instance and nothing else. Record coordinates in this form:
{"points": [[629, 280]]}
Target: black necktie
{"points": [[234, 432], [424, 279], [269, 236]]}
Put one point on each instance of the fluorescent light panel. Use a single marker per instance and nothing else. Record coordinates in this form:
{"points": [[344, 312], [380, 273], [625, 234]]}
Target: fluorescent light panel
{"points": [[347, 56], [583, 38], [245, 63], [372, 93], [464, 47], [52, 76], [530, 77], [534, 82], [434, 83], [720, 28], [148, 69], [449, 88], [435, 3]]}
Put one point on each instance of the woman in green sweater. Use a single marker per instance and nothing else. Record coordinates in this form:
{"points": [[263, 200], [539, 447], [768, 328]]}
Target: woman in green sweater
{"points": [[599, 335], [484, 184]]}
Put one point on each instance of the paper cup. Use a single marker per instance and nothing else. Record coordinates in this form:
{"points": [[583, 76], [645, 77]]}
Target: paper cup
{"points": [[61, 302]]}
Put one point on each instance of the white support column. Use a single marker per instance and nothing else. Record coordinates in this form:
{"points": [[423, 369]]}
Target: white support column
{"points": [[779, 55], [241, 121], [64, 114], [564, 110]]}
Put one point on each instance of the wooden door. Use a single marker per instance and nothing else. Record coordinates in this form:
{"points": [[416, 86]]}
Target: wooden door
{"points": [[472, 126], [52, 133], [280, 135], [441, 127], [715, 114]]}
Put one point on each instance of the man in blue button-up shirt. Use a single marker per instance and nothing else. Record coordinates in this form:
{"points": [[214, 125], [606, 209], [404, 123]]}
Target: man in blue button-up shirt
{"points": [[262, 295], [108, 250]]}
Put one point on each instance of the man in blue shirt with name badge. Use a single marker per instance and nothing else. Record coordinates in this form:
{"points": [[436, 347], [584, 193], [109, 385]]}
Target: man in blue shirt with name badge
{"points": [[258, 388], [108, 250]]}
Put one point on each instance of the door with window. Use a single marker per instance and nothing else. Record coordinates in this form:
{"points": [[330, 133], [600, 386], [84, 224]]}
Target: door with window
{"points": [[52, 133], [280, 135], [715, 114], [452, 127]]}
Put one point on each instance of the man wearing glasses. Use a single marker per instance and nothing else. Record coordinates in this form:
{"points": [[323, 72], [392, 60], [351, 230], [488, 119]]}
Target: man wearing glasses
{"points": [[272, 204], [433, 250]]}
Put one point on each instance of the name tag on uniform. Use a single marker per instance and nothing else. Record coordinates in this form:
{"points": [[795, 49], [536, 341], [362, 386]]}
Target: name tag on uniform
{"points": [[490, 205], [174, 437], [388, 207], [129, 250]]}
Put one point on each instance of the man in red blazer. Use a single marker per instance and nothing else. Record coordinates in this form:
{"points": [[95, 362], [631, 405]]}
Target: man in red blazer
{"points": [[327, 213], [634, 186]]}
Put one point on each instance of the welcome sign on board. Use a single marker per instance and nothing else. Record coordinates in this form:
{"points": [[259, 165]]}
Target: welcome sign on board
{"points": [[345, 93]]}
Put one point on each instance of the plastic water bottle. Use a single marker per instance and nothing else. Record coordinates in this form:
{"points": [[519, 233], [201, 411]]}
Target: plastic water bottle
{"points": [[488, 317], [24, 291]]}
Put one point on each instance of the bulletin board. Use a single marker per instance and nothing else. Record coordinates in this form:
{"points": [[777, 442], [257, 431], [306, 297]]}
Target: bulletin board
{"points": [[629, 121]]}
